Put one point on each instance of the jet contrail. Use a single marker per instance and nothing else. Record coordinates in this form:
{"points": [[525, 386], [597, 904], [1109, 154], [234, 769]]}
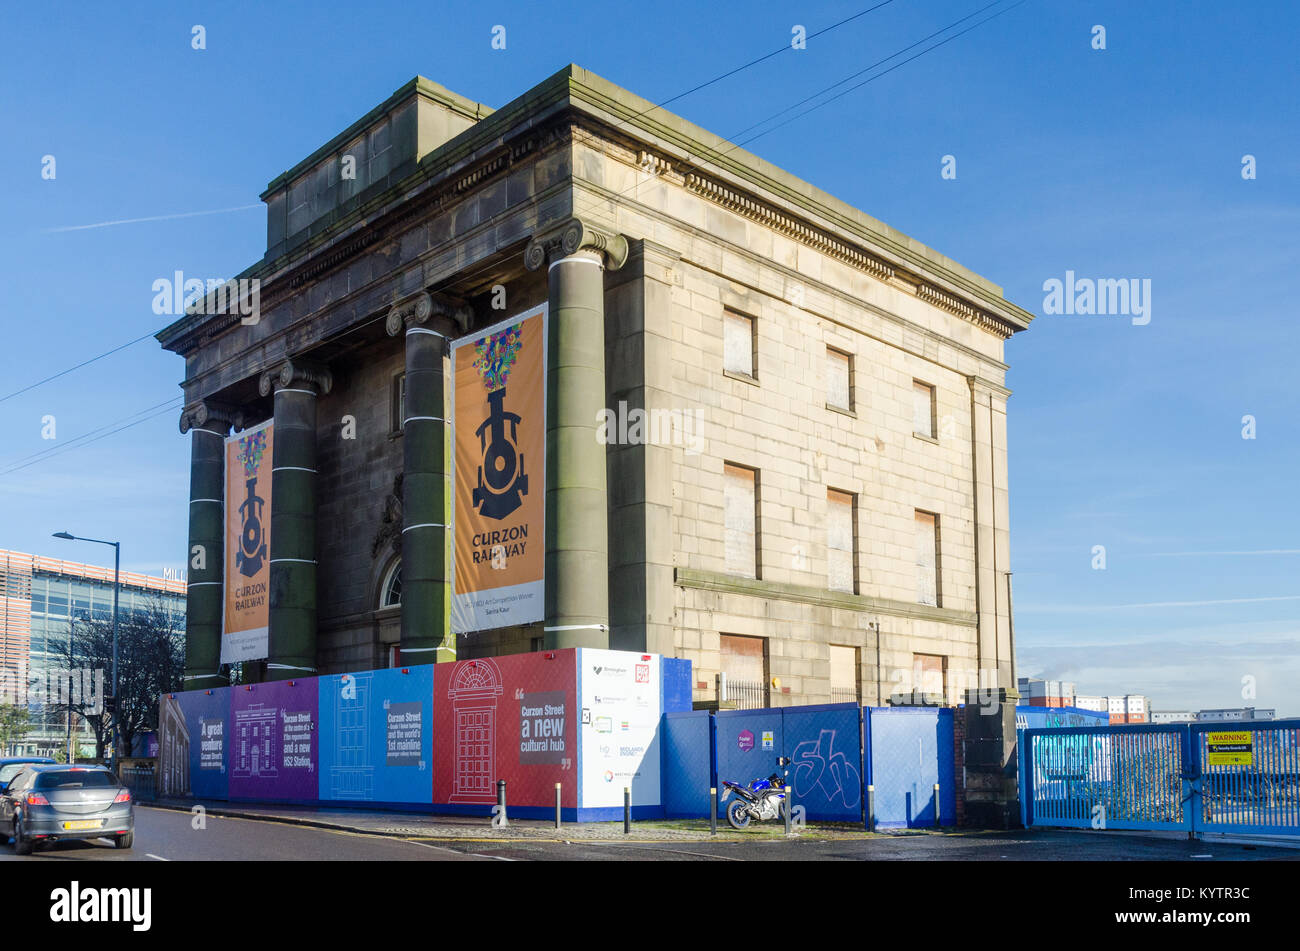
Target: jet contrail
{"points": [[1190, 554], [132, 221]]}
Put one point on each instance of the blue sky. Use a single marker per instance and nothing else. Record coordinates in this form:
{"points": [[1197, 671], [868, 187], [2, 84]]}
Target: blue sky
{"points": [[1122, 163]]}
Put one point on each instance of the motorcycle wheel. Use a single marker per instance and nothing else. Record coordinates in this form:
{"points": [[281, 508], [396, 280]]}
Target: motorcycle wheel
{"points": [[738, 814]]}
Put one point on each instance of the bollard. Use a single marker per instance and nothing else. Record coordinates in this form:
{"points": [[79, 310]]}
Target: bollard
{"points": [[936, 805], [501, 805], [789, 808], [713, 810], [557, 805], [871, 808], [627, 810]]}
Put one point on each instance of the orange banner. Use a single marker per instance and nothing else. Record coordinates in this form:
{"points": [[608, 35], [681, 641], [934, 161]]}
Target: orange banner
{"points": [[499, 472], [248, 545]]}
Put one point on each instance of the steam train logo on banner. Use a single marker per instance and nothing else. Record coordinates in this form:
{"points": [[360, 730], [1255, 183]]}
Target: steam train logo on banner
{"points": [[502, 483], [245, 616], [252, 539], [498, 468]]}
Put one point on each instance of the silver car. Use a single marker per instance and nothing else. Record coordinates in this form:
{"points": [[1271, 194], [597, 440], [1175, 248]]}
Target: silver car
{"points": [[48, 803]]}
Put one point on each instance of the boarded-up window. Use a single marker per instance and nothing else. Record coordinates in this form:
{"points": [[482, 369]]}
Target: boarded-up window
{"points": [[922, 409], [738, 343], [929, 674], [740, 515], [839, 373], [840, 550], [927, 558], [744, 662]]}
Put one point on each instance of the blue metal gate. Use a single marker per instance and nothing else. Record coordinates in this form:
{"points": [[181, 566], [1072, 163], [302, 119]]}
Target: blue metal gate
{"points": [[1204, 777]]}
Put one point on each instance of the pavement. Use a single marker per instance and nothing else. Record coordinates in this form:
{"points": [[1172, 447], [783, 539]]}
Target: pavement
{"points": [[766, 840]]}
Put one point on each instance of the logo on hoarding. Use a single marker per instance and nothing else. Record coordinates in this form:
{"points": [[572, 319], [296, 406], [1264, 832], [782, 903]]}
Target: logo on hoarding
{"points": [[502, 483], [252, 544], [604, 725], [643, 673], [609, 776], [606, 671], [745, 741]]}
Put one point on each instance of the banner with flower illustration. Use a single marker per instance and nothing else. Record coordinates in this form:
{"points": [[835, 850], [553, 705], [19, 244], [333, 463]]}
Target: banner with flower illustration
{"points": [[248, 545], [499, 473]]}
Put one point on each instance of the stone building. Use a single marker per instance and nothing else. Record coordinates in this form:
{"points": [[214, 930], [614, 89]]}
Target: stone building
{"points": [[814, 504]]}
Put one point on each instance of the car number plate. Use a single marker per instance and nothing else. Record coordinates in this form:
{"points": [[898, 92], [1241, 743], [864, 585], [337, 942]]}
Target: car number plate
{"points": [[82, 824]]}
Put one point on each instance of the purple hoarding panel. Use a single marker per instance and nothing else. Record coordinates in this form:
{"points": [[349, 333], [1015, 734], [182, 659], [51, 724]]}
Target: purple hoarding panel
{"points": [[273, 741]]}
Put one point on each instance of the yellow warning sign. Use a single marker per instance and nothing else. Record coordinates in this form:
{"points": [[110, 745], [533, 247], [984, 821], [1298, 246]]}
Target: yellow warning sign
{"points": [[1231, 748]]}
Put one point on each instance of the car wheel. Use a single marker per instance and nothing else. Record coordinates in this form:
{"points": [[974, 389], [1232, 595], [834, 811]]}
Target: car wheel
{"points": [[125, 840], [22, 845]]}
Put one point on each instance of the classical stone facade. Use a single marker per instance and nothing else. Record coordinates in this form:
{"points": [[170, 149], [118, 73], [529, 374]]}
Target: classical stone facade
{"points": [[646, 235]]}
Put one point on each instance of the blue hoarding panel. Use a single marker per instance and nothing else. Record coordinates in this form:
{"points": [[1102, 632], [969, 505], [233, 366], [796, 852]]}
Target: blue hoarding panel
{"points": [[687, 763], [823, 743], [748, 744], [675, 674], [194, 737], [911, 749], [375, 736]]}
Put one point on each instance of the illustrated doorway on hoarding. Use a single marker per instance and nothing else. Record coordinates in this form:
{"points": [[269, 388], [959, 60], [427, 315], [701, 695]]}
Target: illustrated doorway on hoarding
{"points": [[475, 687]]}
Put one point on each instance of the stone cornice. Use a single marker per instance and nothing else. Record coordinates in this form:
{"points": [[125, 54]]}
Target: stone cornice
{"points": [[571, 236], [813, 237], [378, 220], [779, 591]]}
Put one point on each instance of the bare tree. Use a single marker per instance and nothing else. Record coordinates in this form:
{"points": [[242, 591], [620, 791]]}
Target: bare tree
{"points": [[151, 662]]}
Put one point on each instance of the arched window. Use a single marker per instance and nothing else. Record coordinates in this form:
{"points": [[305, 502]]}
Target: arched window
{"points": [[390, 592]]}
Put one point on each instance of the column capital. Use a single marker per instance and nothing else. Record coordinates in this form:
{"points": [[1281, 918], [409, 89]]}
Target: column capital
{"points": [[208, 414], [296, 373], [571, 236], [421, 308]]}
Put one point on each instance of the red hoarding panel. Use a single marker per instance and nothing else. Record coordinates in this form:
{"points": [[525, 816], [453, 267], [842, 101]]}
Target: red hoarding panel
{"points": [[512, 717]]}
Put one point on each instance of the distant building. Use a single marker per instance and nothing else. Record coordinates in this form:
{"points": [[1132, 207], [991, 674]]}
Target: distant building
{"points": [[1235, 713], [1046, 693], [1172, 716], [39, 600], [1129, 708]]}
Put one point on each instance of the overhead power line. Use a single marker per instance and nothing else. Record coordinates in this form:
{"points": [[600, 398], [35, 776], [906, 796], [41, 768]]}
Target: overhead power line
{"points": [[94, 435], [715, 154]]}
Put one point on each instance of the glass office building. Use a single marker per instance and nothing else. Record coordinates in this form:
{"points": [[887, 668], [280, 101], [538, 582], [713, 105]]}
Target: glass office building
{"points": [[39, 600]]}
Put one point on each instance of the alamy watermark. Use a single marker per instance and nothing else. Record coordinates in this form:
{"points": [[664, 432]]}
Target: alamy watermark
{"points": [[179, 295], [1112, 297], [653, 427]]}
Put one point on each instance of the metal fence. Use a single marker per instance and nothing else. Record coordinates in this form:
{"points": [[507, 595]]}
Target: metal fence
{"points": [[845, 695], [140, 780], [744, 694], [1210, 777]]}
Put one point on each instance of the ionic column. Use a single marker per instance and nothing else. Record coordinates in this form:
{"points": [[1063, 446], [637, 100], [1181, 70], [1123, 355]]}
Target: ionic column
{"points": [[292, 605], [426, 637], [208, 423], [577, 519]]}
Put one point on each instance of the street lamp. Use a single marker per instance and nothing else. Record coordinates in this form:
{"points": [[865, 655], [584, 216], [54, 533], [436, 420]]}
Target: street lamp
{"points": [[117, 574]]}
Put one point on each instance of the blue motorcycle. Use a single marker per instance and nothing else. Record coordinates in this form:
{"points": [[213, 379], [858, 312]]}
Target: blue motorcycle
{"points": [[762, 799]]}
